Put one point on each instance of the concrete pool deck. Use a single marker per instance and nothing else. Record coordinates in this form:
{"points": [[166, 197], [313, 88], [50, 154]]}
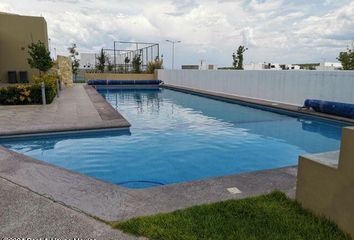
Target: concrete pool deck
{"points": [[27, 215], [78, 108], [112, 202]]}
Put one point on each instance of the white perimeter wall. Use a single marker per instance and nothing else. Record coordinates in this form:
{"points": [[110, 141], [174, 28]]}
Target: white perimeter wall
{"points": [[291, 87]]}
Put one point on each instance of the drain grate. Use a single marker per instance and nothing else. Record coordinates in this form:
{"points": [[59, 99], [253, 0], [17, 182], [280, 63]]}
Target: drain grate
{"points": [[233, 190]]}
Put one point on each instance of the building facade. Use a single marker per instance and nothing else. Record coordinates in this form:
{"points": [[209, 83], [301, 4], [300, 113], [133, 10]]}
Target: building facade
{"points": [[16, 33], [201, 66], [323, 66], [329, 66], [87, 61]]}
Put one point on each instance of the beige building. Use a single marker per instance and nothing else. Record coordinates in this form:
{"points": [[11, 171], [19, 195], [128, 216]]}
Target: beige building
{"points": [[16, 33]]}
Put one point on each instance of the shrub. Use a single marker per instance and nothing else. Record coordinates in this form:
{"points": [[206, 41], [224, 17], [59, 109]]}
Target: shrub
{"points": [[50, 82], [18, 94], [136, 62], [22, 94], [156, 64]]}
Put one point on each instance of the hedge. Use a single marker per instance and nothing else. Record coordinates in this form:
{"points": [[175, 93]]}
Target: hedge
{"points": [[21, 94]]}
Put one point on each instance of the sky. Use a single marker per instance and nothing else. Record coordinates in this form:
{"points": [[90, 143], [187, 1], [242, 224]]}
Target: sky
{"points": [[276, 31]]}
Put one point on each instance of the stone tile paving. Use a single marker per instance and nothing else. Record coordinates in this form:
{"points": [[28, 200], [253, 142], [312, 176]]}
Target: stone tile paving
{"points": [[74, 110]]}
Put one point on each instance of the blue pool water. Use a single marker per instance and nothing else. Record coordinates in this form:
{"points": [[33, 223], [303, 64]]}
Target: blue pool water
{"points": [[177, 137]]}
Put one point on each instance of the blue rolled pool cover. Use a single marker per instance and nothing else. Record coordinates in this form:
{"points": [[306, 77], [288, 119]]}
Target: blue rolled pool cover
{"points": [[97, 82], [334, 108], [123, 82], [114, 82]]}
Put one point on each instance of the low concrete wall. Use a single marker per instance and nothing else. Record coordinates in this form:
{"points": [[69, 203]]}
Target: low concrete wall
{"points": [[119, 76], [328, 189], [291, 87]]}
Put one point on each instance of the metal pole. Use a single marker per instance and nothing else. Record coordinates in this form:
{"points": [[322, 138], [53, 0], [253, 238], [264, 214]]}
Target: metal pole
{"points": [[50, 47], [147, 56], [44, 102], [114, 51], [173, 51], [55, 53], [142, 57], [58, 88], [173, 55]]}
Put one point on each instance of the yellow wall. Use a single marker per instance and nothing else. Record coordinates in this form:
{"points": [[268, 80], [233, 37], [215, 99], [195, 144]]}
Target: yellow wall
{"points": [[119, 76], [16, 33], [328, 189]]}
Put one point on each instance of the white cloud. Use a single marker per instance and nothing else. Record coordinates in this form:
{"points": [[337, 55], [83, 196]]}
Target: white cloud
{"points": [[265, 5], [248, 38], [5, 7], [273, 30], [331, 30]]}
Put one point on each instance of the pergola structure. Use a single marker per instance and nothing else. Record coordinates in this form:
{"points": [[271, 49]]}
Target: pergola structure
{"points": [[119, 54]]}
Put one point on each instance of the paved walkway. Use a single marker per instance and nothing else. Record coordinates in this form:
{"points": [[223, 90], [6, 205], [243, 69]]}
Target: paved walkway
{"points": [[78, 108], [25, 214]]}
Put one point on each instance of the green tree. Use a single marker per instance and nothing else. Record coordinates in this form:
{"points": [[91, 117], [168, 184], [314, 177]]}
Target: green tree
{"points": [[235, 60], [126, 61], [109, 65], [74, 61], [238, 58], [101, 61], [39, 57], [347, 59], [136, 62]]}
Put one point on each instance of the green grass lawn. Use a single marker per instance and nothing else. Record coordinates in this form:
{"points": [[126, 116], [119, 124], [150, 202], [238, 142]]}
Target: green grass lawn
{"points": [[272, 216]]}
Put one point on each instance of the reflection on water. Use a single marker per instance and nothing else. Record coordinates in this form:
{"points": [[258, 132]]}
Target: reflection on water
{"points": [[48, 142], [178, 137], [326, 129], [150, 98]]}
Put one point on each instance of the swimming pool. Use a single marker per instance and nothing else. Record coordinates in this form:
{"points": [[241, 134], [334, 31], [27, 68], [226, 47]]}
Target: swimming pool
{"points": [[177, 137]]}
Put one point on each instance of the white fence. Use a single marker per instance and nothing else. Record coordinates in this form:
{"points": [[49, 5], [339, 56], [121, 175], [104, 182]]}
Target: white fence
{"points": [[291, 87]]}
